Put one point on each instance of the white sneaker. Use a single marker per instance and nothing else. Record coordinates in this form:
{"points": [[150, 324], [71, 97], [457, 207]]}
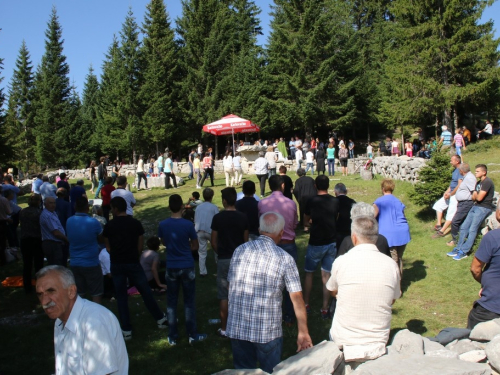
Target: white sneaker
{"points": [[127, 335]]}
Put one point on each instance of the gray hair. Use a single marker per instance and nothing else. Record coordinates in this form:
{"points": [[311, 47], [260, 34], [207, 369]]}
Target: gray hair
{"points": [[271, 222], [464, 167], [365, 228], [301, 172], [261, 154], [340, 189], [64, 274], [362, 209]]}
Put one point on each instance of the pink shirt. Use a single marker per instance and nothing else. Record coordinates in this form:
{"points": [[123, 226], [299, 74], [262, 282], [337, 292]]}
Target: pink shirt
{"points": [[458, 140], [277, 202]]}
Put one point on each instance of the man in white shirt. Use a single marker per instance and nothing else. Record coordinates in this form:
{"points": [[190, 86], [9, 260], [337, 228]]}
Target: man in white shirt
{"points": [[121, 191], [87, 336], [310, 162], [140, 173], [486, 132], [299, 156], [366, 283]]}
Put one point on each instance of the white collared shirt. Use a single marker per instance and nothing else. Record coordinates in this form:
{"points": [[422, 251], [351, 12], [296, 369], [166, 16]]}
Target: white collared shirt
{"points": [[367, 282], [91, 342]]}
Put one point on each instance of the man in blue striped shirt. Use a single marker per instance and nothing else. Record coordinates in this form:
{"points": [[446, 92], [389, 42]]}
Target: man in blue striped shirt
{"points": [[53, 234]]}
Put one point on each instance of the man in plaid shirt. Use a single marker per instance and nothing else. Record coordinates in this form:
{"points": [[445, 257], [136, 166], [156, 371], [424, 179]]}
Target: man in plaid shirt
{"points": [[258, 273]]}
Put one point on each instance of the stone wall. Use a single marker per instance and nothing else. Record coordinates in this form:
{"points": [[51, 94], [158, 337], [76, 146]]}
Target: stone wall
{"points": [[400, 168], [476, 352]]}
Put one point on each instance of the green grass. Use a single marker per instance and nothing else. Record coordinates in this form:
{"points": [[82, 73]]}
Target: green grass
{"points": [[438, 292]]}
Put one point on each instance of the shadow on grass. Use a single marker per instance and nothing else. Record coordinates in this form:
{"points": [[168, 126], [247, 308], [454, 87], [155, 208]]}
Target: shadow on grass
{"points": [[413, 325], [416, 272], [426, 214]]}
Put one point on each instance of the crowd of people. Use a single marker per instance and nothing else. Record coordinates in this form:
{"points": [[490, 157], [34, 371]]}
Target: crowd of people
{"points": [[359, 247]]}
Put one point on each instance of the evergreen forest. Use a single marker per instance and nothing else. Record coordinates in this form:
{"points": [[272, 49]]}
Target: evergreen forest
{"points": [[361, 68]]}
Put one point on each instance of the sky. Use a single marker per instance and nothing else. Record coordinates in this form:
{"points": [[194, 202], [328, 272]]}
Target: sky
{"points": [[88, 27]]}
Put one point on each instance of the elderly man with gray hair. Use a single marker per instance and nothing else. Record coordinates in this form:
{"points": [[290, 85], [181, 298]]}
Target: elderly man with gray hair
{"points": [[258, 273], [87, 336], [366, 283], [363, 209]]}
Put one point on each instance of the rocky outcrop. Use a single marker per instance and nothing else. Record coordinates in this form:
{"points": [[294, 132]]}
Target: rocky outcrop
{"points": [[401, 168]]}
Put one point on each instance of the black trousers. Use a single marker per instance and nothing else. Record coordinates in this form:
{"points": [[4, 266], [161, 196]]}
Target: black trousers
{"points": [[208, 172], [140, 176], [169, 175], [32, 251], [479, 314], [262, 179]]}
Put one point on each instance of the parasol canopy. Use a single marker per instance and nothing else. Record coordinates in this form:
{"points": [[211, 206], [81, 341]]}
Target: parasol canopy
{"points": [[231, 124]]}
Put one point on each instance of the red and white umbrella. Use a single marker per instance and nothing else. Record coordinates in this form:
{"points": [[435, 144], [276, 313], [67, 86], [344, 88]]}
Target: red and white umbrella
{"points": [[231, 124]]}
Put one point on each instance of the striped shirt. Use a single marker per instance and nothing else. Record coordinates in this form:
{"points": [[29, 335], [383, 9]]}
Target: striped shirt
{"points": [[258, 273], [48, 223]]}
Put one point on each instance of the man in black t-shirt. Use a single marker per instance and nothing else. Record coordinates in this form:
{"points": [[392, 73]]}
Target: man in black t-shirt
{"points": [[250, 207], [288, 189], [320, 214], [483, 205], [124, 241], [344, 218], [229, 230]]}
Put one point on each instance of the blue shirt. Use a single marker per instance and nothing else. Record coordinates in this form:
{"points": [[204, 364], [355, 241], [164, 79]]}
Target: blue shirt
{"points": [[35, 187], [82, 231], [48, 223], [75, 193], [15, 189], [455, 176], [489, 253], [392, 222], [176, 234], [63, 211], [447, 137]]}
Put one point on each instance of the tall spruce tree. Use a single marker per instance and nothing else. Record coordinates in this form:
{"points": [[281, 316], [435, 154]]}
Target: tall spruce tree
{"points": [[159, 92], [19, 119], [5, 149], [70, 139], [111, 124], [130, 107], [442, 59], [51, 95], [90, 146], [307, 74]]}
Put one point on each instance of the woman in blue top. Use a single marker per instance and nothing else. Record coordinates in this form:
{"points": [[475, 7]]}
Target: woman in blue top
{"points": [[392, 222], [330, 156]]}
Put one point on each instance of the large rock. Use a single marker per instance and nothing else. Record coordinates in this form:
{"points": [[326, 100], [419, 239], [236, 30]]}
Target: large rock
{"points": [[473, 356], [493, 352], [408, 343], [420, 365], [430, 346], [241, 372], [463, 346], [442, 353], [486, 331], [323, 358]]}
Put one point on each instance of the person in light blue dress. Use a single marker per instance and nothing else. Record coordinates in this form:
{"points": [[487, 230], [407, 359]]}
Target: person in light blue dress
{"points": [[392, 222]]}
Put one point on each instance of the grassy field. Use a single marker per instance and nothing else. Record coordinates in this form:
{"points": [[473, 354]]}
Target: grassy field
{"points": [[438, 292]]}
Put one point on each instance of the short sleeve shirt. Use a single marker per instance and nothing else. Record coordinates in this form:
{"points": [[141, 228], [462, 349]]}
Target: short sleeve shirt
{"points": [[82, 231], [230, 227], [175, 234], [258, 273], [128, 196], [323, 210], [148, 257], [489, 253], [123, 234], [486, 185]]}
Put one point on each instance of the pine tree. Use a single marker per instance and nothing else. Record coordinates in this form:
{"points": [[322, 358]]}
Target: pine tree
{"points": [[441, 59], [307, 74], [5, 149], [19, 120], [51, 95], [159, 91], [89, 146]]}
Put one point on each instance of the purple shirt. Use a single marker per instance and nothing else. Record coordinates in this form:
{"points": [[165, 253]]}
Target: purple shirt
{"points": [[277, 202]]}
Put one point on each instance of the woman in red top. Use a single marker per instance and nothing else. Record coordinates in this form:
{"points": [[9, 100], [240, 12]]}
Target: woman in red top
{"points": [[106, 197], [207, 166]]}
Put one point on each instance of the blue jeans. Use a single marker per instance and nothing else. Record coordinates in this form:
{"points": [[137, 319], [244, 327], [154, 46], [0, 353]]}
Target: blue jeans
{"points": [[246, 354], [137, 277], [351, 154], [177, 278], [289, 312], [101, 184], [310, 166], [331, 167], [324, 254], [191, 170], [469, 228]]}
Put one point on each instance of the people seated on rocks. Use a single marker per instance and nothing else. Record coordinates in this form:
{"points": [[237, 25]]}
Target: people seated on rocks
{"points": [[485, 269], [366, 283], [87, 337]]}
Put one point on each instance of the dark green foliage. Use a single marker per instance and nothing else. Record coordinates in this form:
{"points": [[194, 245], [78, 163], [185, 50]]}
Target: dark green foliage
{"points": [[88, 147], [434, 178], [5, 150], [159, 93], [19, 119], [51, 96]]}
